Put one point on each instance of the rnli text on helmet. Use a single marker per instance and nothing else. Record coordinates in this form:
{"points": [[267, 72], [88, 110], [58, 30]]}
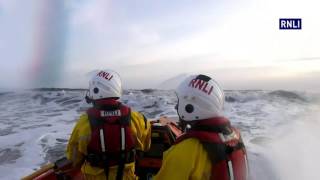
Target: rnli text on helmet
{"points": [[105, 75], [201, 85]]}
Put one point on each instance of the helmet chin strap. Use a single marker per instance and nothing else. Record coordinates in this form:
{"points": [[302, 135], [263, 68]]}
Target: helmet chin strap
{"points": [[183, 124], [88, 99]]}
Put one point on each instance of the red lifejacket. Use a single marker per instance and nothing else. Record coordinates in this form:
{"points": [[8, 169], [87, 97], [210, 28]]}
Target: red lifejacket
{"points": [[224, 146], [111, 142]]}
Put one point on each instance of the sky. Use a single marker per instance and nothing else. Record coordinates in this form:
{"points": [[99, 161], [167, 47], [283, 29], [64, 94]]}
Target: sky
{"points": [[56, 43]]}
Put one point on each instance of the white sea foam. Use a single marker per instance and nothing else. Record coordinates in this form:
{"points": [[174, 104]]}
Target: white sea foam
{"points": [[280, 128]]}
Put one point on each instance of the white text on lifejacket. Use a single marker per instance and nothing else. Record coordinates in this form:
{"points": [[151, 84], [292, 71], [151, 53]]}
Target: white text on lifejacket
{"points": [[201, 85], [110, 113], [105, 75]]}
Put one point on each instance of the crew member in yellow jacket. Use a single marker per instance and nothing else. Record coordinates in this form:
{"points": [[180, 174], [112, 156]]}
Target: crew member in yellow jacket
{"points": [[210, 148], [186, 160], [105, 138]]}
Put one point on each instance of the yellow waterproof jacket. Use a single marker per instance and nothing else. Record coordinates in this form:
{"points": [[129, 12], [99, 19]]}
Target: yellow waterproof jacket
{"points": [[185, 160], [80, 137]]}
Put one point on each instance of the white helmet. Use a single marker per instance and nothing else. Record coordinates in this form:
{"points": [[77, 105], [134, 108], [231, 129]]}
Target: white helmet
{"points": [[199, 97], [105, 84]]}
